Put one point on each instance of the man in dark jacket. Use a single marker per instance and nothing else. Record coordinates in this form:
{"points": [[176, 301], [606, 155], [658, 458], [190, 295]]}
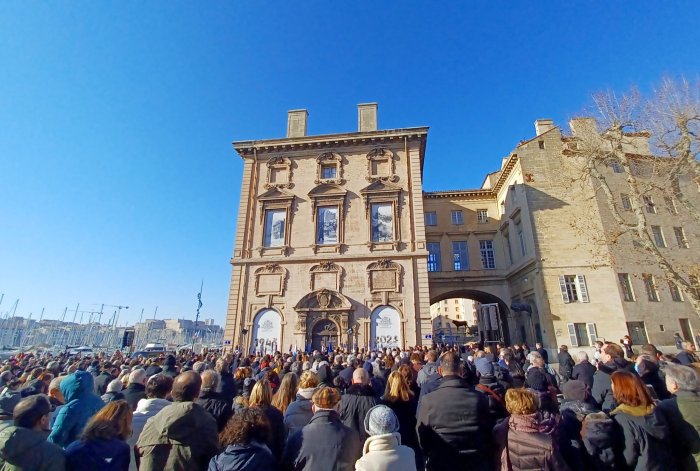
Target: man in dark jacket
{"points": [[104, 378], [170, 366], [454, 426], [687, 356], [346, 374], [212, 401], [566, 363], [136, 389], [543, 353], [325, 443], [583, 370], [611, 360], [358, 399]]}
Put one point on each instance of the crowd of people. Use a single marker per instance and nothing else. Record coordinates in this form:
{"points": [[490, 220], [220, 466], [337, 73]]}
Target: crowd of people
{"points": [[447, 408]]}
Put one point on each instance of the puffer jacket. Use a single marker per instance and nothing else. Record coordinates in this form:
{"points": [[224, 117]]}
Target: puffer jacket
{"points": [[386, 453], [646, 438], [25, 449], [251, 457], [217, 406], [181, 437], [81, 404], [601, 392], [299, 412], [601, 440], [145, 409], [526, 443], [98, 455], [354, 405], [682, 413], [571, 446]]}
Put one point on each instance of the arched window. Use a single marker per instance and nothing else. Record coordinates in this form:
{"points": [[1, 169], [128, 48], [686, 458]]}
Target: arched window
{"points": [[267, 332], [385, 330]]}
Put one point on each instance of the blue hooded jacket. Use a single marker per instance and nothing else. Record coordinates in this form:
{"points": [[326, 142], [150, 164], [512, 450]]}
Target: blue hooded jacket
{"points": [[81, 404]]}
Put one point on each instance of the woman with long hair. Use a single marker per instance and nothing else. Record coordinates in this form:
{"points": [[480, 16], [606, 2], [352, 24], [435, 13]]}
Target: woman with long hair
{"points": [[644, 433], [299, 412], [407, 372], [261, 398], [244, 440], [399, 397], [286, 393], [102, 445]]}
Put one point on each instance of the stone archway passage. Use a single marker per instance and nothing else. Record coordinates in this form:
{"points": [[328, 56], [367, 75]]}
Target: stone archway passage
{"points": [[324, 335]]}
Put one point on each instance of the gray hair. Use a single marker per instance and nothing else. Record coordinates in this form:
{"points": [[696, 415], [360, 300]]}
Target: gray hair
{"points": [[55, 384], [138, 376], [684, 376], [582, 356], [533, 355], [210, 380], [114, 386], [199, 367]]}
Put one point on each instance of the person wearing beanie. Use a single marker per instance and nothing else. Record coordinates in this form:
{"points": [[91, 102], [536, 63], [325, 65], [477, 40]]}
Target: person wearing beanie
{"points": [[325, 443], [577, 405], [169, 366], [383, 450]]}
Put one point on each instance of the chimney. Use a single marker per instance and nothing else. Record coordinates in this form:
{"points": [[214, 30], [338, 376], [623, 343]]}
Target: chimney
{"points": [[543, 125], [296, 123], [367, 117], [583, 127]]}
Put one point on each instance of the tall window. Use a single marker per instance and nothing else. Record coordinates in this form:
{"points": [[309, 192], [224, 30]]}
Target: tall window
{"points": [[382, 222], [616, 166], [649, 205], [626, 202], [694, 282], [675, 292], [658, 236], [582, 334], [431, 218], [671, 205], [275, 221], [680, 237], [327, 225], [460, 255], [457, 219], [573, 288], [626, 286], [434, 256], [482, 216], [488, 261], [638, 333], [650, 286]]}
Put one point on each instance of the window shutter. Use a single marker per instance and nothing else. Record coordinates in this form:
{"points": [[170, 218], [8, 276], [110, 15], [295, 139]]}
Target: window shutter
{"points": [[572, 335], [582, 290], [592, 333], [562, 285]]}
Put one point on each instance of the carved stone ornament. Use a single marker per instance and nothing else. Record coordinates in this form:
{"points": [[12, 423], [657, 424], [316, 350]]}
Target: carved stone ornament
{"points": [[270, 279], [279, 173], [326, 275], [324, 298], [381, 165], [384, 275], [328, 159]]}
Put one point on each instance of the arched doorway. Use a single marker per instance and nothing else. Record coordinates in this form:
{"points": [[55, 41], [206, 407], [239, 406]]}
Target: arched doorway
{"points": [[385, 328], [267, 332], [325, 335]]}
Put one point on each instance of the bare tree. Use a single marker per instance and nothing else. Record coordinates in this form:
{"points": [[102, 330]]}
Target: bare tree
{"points": [[653, 142]]}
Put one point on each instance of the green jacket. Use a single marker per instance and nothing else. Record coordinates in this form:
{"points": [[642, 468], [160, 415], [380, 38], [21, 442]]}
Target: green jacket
{"points": [[25, 449], [682, 413], [181, 437]]}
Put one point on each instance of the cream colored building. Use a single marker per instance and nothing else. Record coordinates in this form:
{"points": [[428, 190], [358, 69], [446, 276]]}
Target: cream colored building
{"points": [[337, 244]]}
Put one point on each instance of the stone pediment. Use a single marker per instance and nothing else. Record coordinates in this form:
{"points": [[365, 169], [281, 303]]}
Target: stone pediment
{"points": [[323, 299], [275, 194], [380, 187], [327, 190]]}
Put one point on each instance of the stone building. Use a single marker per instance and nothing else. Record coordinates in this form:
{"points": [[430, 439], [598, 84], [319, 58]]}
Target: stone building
{"points": [[338, 244]]}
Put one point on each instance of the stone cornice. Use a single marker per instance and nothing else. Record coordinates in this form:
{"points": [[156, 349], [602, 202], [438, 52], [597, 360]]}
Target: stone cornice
{"points": [[460, 194]]}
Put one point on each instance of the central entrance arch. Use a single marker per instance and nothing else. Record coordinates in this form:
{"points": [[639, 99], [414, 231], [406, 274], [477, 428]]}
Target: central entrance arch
{"points": [[325, 334]]}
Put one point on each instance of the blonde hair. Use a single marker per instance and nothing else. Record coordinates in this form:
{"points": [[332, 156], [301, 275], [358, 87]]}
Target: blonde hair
{"points": [[326, 398], [308, 379], [261, 395], [397, 388], [521, 401]]}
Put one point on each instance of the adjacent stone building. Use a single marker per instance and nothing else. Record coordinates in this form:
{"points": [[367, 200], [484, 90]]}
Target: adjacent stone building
{"points": [[338, 244]]}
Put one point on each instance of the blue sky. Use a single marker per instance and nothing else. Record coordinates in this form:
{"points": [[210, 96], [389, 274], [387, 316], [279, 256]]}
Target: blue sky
{"points": [[118, 182]]}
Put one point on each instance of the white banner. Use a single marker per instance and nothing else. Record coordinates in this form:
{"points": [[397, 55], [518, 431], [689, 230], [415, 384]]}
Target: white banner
{"points": [[385, 328], [267, 332]]}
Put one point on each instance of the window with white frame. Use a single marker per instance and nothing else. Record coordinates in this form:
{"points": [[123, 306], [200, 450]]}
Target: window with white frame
{"points": [[430, 218], [626, 286], [650, 286], [573, 288], [460, 255], [649, 205], [482, 216], [434, 256], [457, 218], [488, 260], [671, 204], [626, 202], [680, 237], [675, 292], [582, 334], [658, 236], [638, 333]]}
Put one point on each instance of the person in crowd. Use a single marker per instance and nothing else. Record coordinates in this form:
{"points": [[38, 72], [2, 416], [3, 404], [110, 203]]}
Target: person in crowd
{"points": [[540, 384], [489, 385], [261, 398], [429, 369], [574, 409], [136, 389], [170, 366], [626, 343], [525, 441], [102, 445], [682, 413], [649, 373], [678, 340], [515, 370], [357, 400], [157, 389], [244, 442], [105, 377], [583, 370], [611, 360], [9, 398], [286, 393], [383, 450], [566, 363], [543, 352], [212, 401], [400, 399], [228, 384], [113, 392], [23, 444], [154, 368], [81, 404], [337, 365], [182, 436], [452, 422], [346, 373], [687, 355], [241, 402], [324, 443], [299, 412], [55, 396], [239, 376], [643, 432], [325, 375], [519, 354]]}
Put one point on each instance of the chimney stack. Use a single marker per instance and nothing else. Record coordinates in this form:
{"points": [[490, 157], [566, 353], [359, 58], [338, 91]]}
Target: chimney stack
{"points": [[543, 125], [296, 123], [367, 117]]}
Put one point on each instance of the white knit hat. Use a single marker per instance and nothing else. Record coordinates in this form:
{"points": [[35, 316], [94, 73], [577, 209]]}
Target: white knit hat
{"points": [[380, 420]]}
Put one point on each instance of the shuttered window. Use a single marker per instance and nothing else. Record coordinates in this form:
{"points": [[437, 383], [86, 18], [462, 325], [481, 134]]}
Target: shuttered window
{"points": [[573, 288]]}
